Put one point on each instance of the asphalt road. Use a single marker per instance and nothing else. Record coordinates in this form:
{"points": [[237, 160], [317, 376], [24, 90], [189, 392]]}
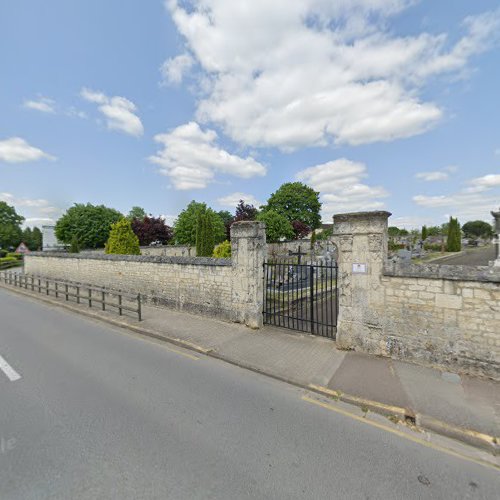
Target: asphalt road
{"points": [[480, 256], [101, 414]]}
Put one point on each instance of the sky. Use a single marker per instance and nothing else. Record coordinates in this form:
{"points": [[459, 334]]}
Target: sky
{"points": [[377, 104]]}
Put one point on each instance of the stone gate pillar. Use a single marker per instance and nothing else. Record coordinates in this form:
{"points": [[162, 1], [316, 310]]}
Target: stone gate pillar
{"points": [[248, 252], [361, 240]]}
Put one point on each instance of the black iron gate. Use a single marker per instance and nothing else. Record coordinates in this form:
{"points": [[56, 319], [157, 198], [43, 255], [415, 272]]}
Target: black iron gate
{"points": [[301, 296]]}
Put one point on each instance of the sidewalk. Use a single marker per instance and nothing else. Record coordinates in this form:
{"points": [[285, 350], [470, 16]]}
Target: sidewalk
{"points": [[458, 406]]}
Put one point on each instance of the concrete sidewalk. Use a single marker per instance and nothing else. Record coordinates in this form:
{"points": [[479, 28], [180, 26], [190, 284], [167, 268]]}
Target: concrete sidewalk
{"points": [[462, 407]]}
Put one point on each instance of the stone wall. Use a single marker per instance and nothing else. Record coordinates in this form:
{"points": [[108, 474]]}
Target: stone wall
{"points": [[227, 289], [434, 314], [169, 251]]}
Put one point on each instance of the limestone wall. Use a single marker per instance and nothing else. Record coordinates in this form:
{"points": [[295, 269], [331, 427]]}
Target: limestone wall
{"points": [[447, 316], [227, 289], [169, 251]]}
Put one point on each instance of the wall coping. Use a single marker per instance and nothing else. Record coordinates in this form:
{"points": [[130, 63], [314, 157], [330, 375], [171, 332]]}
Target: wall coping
{"points": [[441, 271], [156, 259]]}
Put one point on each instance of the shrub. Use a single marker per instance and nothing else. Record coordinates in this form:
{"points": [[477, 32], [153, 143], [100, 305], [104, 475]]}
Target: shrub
{"points": [[223, 250], [17, 256], [3, 253], [75, 245], [122, 240]]}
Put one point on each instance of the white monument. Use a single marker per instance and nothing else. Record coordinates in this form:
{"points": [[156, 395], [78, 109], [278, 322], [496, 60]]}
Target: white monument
{"points": [[49, 240]]}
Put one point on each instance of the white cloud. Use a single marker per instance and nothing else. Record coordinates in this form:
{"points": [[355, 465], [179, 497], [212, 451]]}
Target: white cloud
{"points": [[169, 219], [17, 150], [437, 175], [475, 201], [497, 152], [302, 73], [43, 104], [232, 200], [191, 158], [118, 111], [37, 211], [174, 69], [339, 183]]}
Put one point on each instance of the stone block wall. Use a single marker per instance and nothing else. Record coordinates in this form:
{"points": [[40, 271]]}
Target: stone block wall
{"points": [[227, 289], [170, 251], [446, 316]]}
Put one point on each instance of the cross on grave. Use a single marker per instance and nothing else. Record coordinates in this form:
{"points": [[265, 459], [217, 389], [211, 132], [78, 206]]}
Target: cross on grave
{"points": [[299, 254]]}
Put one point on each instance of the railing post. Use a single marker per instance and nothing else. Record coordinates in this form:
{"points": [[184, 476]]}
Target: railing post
{"points": [[56, 285], [90, 297], [311, 291], [120, 312], [32, 283], [103, 296], [66, 289], [47, 286], [77, 294], [139, 313]]}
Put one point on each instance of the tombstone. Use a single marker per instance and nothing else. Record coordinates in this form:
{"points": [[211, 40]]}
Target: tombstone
{"points": [[404, 256], [496, 241]]}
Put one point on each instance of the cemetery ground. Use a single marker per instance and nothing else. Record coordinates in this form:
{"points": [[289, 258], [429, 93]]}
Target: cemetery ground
{"points": [[96, 412]]}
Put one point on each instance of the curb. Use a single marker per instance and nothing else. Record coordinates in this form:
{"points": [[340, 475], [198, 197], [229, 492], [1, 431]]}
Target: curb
{"points": [[421, 421]]}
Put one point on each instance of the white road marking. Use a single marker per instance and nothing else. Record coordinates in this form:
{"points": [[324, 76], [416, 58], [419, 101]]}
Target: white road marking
{"points": [[8, 370]]}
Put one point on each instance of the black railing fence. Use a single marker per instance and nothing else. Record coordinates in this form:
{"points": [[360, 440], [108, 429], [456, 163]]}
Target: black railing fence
{"points": [[301, 296], [80, 293]]}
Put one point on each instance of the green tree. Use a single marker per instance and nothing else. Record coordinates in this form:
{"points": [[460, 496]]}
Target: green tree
{"points": [[122, 239], [28, 238], [186, 224], [74, 246], [454, 240], [89, 223], [424, 233], [137, 213], [204, 236], [477, 229], [296, 201], [277, 226], [223, 250], [37, 238], [10, 226]]}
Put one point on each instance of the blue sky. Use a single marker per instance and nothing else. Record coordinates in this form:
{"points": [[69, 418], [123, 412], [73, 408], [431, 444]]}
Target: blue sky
{"points": [[378, 104]]}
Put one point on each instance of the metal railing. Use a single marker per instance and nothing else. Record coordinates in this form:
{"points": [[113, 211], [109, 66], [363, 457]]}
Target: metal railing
{"points": [[301, 296], [81, 293]]}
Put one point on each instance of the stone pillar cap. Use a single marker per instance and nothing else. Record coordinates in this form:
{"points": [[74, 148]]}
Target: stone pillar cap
{"points": [[375, 213]]}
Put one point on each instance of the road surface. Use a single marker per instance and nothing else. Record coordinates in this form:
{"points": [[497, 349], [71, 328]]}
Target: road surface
{"points": [[480, 256], [97, 413]]}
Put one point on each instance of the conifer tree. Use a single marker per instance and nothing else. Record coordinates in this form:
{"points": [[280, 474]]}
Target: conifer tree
{"points": [[122, 239]]}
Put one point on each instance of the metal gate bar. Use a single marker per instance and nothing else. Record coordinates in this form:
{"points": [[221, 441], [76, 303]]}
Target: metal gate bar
{"points": [[301, 297]]}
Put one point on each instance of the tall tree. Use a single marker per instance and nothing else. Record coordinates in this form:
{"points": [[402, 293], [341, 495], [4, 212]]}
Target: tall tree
{"points": [[477, 229], [186, 223], [91, 224], [10, 226], [227, 219], [28, 238], [204, 236], [136, 213], [149, 229], [296, 201], [245, 211], [424, 233], [454, 240], [277, 226], [37, 238], [300, 229]]}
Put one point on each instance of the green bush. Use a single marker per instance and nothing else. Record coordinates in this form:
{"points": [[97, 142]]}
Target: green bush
{"points": [[3, 253], [8, 259], [432, 247], [17, 256], [122, 240], [223, 250]]}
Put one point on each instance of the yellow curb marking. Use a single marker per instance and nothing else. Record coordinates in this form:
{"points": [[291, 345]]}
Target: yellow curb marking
{"points": [[400, 433], [361, 401]]}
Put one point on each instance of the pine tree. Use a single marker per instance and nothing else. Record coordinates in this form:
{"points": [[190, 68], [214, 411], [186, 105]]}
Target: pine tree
{"points": [[424, 233], [205, 236], [122, 239]]}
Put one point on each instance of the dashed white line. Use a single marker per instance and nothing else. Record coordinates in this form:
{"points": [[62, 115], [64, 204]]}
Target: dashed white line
{"points": [[12, 375]]}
